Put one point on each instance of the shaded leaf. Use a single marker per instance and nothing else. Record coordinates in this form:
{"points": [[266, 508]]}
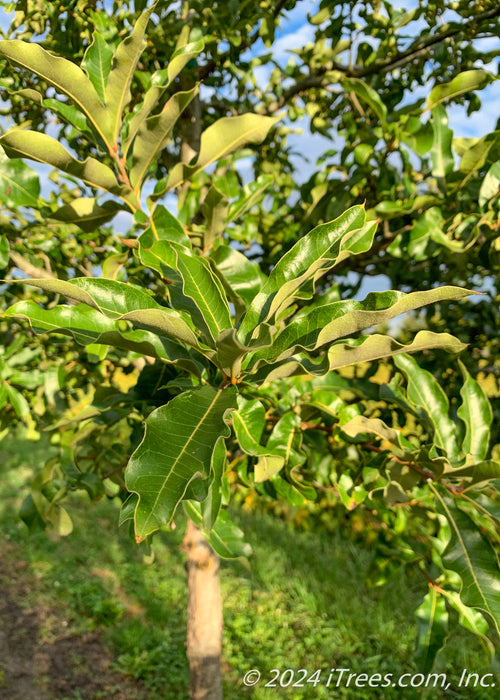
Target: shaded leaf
{"points": [[225, 538], [177, 447], [86, 213], [473, 559], [432, 621]]}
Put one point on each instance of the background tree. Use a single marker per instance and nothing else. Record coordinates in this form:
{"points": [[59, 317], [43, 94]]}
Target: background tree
{"points": [[417, 199]]}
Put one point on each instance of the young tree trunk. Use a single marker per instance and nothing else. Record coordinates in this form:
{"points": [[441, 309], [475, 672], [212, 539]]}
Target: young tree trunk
{"points": [[204, 624]]}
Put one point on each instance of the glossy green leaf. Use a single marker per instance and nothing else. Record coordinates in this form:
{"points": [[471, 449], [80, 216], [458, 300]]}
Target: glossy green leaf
{"points": [[441, 153], [325, 324], [88, 326], [64, 76], [97, 64], [155, 134], [476, 473], [86, 213], [124, 63], [432, 621], [295, 274], [367, 95], [426, 393], [177, 447], [110, 297], [475, 411], [196, 290], [350, 352], [464, 82], [473, 559], [220, 139], [163, 227], [21, 143]]}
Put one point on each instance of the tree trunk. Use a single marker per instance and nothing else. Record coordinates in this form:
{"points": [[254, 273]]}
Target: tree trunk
{"points": [[204, 623]]}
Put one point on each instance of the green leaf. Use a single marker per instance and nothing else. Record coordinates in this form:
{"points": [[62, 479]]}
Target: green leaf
{"points": [[464, 82], [441, 154], [491, 184], [475, 411], [225, 538], [477, 473], [195, 289], [19, 404], [225, 136], [350, 352], [473, 559], [64, 76], [368, 95], [215, 209], [110, 297], [97, 64], [432, 620], [470, 619], [4, 251], [360, 424], [21, 143], [475, 157], [19, 184], [125, 61], [154, 135], [210, 507], [244, 277], [425, 392], [160, 81], [248, 423], [88, 326], [325, 324], [295, 274], [121, 301], [177, 448], [252, 194], [86, 213], [164, 227]]}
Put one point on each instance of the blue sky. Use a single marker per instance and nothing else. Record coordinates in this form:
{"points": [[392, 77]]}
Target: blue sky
{"points": [[296, 32]]}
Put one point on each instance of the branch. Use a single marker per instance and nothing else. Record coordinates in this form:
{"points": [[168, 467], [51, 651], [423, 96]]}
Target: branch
{"points": [[318, 78], [27, 267]]}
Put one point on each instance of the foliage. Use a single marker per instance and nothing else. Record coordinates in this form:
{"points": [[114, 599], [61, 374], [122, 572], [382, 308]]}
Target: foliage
{"points": [[218, 314]]}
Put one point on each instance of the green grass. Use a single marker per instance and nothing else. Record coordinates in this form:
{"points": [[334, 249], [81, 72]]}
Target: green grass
{"points": [[304, 604]]}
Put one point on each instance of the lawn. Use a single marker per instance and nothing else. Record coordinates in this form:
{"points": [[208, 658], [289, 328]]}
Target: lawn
{"points": [[117, 620]]}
